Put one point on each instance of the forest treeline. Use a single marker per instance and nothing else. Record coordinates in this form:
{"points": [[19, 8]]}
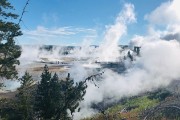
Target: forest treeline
{"points": [[50, 99]]}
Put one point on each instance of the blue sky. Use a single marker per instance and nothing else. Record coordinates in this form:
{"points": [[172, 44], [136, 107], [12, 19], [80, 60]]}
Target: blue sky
{"points": [[72, 21]]}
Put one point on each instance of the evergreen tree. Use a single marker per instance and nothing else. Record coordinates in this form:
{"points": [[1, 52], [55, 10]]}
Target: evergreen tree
{"points": [[55, 97], [8, 110], [55, 93], [24, 97], [71, 95], [9, 51], [43, 97]]}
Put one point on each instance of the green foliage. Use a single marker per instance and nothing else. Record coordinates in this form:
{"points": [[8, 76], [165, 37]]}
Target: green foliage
{"points": [[20, 107], [160, 94], [9, 52], [71, 95], [134, 104], [43, 97], [8, 110], [131, 107], [24, 97], [5, 5], [54, 97]]}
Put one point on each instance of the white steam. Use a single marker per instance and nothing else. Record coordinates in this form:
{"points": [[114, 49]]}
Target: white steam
{"points": [[32, 53], [109, 49], [167, 16], [158, 65]]}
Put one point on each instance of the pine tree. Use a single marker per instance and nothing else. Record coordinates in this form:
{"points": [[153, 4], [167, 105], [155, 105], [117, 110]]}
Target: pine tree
{"points": [[43, 97], [55, 93], [71, 96], [55, 97], [21, 107], [9, 110], [24, 97], [9, 51]]}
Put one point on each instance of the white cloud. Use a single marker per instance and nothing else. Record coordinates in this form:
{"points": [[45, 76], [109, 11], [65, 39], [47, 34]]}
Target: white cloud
{"points": [[50, 18], [166, 13], [41, 33]]}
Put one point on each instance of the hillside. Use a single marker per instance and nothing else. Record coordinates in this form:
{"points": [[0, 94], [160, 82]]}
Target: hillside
{"points": [[157, 105]]}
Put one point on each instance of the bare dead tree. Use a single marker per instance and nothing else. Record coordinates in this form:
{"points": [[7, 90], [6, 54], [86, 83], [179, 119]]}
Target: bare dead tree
{"points": [[24, 10], [94, 77]]}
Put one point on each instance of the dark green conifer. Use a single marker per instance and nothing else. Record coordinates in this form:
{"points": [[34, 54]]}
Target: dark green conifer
{"points": [[71, 94], [43, 97], [55, 97], [9, 51], [24, 97]]}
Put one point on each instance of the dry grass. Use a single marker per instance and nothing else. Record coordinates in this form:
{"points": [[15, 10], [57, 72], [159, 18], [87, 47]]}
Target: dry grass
{"points": [[8, 95], [51, 68]]}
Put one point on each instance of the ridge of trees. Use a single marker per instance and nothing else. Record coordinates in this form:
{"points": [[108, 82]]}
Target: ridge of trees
{"points": [[50, 99]]}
